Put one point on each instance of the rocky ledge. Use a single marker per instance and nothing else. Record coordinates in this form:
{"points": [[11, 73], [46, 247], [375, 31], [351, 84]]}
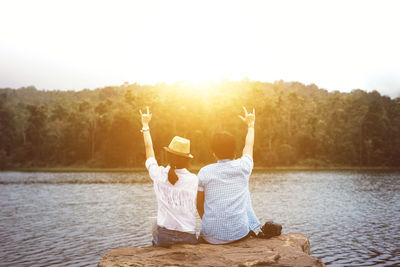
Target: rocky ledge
{"points": [[283, 250]]}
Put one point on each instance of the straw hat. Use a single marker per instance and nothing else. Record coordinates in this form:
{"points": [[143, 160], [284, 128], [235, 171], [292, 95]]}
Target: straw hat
{"points": [[179, 146]]}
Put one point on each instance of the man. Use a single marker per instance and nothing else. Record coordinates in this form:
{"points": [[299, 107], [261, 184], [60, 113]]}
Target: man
{"points": [[223, 198]]}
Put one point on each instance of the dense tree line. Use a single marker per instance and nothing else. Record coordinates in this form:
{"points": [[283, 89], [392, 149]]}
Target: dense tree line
{"points": [[295, 124]]}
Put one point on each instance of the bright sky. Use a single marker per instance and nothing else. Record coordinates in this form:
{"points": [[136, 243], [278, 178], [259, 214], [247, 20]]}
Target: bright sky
{"points": [[338, 45]]}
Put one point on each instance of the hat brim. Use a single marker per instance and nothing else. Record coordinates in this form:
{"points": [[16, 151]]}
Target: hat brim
{"points": [[190, 156]]}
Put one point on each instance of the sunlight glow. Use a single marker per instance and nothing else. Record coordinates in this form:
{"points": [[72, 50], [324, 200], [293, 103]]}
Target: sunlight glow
{"points": [[338, 45]]}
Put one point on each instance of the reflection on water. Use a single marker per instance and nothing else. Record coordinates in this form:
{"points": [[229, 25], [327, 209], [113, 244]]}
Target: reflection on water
{"points": [[350, 218], [73, 219]]}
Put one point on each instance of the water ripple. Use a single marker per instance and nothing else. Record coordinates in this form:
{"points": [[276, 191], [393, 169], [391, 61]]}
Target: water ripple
{"points": [[73, 219]]}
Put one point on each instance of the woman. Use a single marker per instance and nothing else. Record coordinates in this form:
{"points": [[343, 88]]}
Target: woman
{"points": [[175, 188]]}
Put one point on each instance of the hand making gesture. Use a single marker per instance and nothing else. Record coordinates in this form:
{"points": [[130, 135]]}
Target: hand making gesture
{"points": [[249, 118], [146, 117], [148, 143]]}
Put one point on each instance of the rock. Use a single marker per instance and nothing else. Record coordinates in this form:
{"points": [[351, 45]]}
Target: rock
{"points": [[283, 250]]}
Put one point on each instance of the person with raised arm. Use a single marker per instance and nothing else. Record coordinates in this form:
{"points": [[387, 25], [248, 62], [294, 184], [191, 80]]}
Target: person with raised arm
{"points": [[175, 188], [223, 197]]}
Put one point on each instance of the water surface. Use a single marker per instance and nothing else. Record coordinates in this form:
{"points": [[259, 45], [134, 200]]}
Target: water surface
{"points": [[73, 219]]}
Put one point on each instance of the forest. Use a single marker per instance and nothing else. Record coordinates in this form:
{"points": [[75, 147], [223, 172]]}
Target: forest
{"points": [[296, 124]]}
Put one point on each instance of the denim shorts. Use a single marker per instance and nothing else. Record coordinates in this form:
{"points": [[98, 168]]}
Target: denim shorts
{"points": [[165, 237]]}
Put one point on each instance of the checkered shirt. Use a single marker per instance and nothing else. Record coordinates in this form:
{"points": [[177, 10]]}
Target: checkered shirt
{"points": [[228, 213]]}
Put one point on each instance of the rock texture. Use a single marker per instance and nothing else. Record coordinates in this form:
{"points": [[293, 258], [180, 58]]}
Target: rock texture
{"points": [[284, 250]]}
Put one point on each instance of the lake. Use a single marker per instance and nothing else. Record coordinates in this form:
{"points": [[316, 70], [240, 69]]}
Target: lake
{"points": [[73, 219]]}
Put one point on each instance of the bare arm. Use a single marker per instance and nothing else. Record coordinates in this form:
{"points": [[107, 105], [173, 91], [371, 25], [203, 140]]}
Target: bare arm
{"points": [[249, 119], [148, 143], [248, 147], [200, 203]]}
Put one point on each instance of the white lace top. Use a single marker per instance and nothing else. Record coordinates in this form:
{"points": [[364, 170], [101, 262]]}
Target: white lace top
{"points": [[176, 203]]}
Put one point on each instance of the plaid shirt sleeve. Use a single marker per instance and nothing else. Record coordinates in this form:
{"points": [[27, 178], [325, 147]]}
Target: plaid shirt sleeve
{"points": [[201, 178], [246, 162]]}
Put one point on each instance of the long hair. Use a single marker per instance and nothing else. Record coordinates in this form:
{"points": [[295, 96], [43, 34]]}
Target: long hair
{"points": [[175, 162]]}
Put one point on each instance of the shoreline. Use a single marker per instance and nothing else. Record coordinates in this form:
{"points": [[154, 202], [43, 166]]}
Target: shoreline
{"points": [[197, 168]]}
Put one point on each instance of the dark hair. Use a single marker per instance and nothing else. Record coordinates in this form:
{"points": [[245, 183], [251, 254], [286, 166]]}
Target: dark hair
{"points": [[223, 144], [176, 162]]}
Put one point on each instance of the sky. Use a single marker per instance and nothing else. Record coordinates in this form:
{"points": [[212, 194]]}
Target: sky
{"points": [[337, 45]]}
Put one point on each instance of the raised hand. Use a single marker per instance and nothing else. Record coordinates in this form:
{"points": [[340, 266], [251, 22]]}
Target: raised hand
{"points": [[146, 117], [249, 118], [148, 143]]}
